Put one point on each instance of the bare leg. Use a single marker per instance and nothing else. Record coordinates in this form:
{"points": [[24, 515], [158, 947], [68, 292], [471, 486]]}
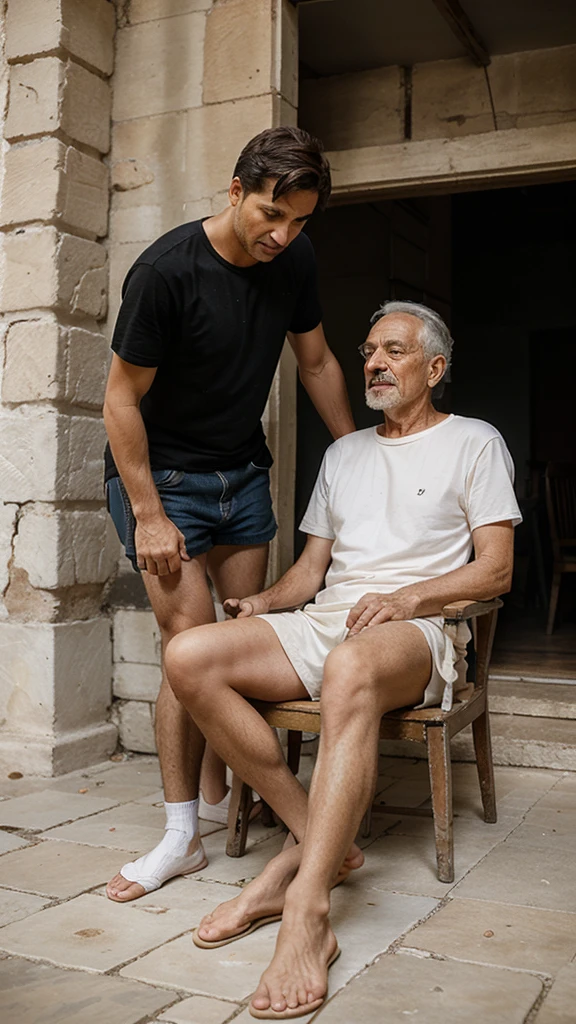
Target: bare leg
{"points": [[212, 669], [179, 602], [384, 667]]}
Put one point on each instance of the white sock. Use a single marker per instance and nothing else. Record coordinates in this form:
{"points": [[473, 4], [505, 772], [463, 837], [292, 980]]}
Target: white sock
{"points": [[172, 855], [182, 817]]}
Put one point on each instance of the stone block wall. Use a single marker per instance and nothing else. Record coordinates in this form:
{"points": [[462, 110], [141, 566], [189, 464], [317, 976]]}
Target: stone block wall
{"points": [[57, 551], [445, 99]]}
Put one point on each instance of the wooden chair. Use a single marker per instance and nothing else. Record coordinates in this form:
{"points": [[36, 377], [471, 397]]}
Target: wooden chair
{"points": [[431, 726], [561, 503]]}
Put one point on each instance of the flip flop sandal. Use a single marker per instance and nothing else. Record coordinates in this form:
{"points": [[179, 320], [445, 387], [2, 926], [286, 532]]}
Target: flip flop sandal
{"points": [[259, 922], [298, 1011]]}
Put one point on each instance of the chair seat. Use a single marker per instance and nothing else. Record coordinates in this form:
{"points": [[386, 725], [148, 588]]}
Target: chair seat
{"points": [[305, 715]]}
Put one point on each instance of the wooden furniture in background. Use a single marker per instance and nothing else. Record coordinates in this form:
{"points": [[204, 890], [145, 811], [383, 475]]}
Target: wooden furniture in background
{"points": [[561, 504], [431, 726]]}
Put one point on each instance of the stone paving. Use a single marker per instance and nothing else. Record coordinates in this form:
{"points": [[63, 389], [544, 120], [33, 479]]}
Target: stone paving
{"points": [[498, 945]]}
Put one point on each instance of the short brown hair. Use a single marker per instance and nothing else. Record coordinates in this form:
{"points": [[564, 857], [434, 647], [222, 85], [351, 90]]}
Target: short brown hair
{"points": [[292, 156]]}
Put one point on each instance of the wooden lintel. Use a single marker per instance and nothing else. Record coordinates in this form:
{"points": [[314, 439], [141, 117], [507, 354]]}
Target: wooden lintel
{"points": [[464, 30], [488, 160]]}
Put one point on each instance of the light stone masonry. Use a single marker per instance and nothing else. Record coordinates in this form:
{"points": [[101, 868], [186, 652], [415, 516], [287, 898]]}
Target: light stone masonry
{"points": [[50, 95], [61, 548], [46, 268], [238, 54], [361, 109], [55, 561], [48, 181], [84, 28], [47, 361], [450, 98], [135, 721], [159, 66]]}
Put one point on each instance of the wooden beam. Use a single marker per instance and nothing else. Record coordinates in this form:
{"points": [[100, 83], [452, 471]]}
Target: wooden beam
{"points": [[488, 160], [464, 30]]}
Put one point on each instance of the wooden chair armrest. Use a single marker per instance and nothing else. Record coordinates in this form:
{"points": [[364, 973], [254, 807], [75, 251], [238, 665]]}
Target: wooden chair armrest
{"points": [[458, 611]]}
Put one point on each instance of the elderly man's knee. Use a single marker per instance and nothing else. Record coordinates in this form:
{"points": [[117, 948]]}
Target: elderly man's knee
{"points": [[348, 681], [187, 660]]}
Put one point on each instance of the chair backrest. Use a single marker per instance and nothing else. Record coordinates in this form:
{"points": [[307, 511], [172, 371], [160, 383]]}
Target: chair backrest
{"points": [[561, 504]]}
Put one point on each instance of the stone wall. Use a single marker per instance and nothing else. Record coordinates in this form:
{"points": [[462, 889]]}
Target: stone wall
{"points": [[193, 81], [56, 550], [446, 99]]}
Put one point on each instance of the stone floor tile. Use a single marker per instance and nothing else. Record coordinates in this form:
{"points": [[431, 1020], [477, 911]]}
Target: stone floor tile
{"points": [[133, 839], [465, 828], [407, 863], [188, 894], [530, 876], [93, 934], [199, 1010], [558, 1006], [120, 831], [433, 992], [39, 994], [246, 1018], [57, 869], [557, 837], [156, 798], [406, 793], [16, 905], [10, 842], [222, 868], [231, 972], [493, 933], [47, 808]]}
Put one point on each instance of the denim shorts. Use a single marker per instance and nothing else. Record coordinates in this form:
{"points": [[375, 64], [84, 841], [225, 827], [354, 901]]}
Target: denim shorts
{"points": [[232, 507]]}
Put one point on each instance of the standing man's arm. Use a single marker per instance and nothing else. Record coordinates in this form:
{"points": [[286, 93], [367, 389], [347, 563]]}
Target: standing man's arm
{"points": [[160, 545], [322, 376]]}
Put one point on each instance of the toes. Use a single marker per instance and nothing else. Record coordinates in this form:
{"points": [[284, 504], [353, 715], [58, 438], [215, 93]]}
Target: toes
{"points": [[122, 891]]}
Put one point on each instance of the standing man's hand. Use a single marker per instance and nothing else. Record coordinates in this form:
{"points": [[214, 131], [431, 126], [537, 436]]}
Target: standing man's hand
{"points": [[160, 546]]}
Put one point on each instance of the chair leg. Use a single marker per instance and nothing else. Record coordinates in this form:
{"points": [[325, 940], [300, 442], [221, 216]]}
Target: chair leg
{"points": [[294, 748], [485, 765], [555, 591], [440, 768], [366, 826], [238, 817]]}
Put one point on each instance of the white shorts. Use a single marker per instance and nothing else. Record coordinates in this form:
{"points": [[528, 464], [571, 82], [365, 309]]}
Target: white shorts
{"points": [[309, 635]]}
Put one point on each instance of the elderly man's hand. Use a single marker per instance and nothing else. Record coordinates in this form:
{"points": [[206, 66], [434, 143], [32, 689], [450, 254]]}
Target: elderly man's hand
{"points": [[243, 608], [373, 609]]}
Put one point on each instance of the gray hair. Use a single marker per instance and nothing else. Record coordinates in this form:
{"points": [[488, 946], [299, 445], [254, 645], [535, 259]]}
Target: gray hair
{"points": [[435, 337]]}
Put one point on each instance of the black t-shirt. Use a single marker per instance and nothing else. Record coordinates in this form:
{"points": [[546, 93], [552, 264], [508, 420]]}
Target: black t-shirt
{"points": [[215, 331]]}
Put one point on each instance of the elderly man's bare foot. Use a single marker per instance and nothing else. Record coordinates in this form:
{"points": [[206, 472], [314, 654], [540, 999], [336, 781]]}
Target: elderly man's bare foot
{"points": [[263, 897], [296, 981]]}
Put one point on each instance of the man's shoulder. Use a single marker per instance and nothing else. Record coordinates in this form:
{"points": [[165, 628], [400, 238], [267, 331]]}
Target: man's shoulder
{"points": [[351, 444], [299, 254], [471, 429], [165, 253]]}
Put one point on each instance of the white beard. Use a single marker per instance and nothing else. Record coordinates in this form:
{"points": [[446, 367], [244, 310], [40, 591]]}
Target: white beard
{"points": [[383, 400]]}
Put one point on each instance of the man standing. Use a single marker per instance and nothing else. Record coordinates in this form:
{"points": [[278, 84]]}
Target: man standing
{"points": [[204, 315]]}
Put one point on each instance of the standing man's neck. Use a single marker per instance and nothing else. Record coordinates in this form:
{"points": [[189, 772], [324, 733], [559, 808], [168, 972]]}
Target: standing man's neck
{"points": [[223, 238], [410, 420]]}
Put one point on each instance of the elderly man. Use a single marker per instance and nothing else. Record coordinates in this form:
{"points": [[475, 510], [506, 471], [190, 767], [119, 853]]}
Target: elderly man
{"points": [[395, 514]]}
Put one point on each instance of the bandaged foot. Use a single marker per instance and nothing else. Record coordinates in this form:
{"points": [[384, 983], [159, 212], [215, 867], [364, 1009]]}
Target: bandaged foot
{"points": [[179, 853]]}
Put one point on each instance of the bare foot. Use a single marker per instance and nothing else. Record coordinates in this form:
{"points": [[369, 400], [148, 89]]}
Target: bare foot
{"points": [[264, 897], [121, 890], [297, 978]]}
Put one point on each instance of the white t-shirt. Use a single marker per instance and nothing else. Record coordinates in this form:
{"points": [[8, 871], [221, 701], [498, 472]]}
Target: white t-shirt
{"points": [[402, 510]]}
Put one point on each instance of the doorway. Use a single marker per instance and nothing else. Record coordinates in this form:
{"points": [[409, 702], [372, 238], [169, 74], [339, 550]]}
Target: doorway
{"points": [[499, 266]]}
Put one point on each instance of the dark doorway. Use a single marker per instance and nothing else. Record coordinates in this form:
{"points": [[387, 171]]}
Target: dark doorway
{"points": [[500, 266]]}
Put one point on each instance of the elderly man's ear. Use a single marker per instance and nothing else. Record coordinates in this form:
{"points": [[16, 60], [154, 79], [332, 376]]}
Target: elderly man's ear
{"points": [[436, 370]]}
